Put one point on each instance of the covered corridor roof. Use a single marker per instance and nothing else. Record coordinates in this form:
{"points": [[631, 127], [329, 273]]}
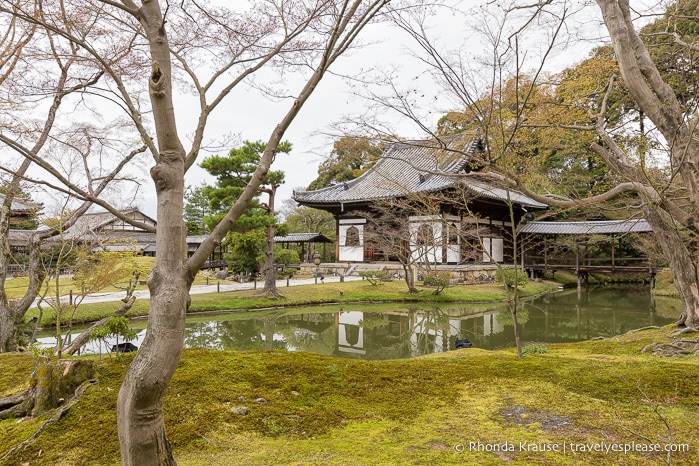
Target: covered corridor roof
{"points": [[600, 227]]}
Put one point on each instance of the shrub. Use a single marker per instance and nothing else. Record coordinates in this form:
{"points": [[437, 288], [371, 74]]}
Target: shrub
{"points": [[509, 275], [374, 276], [439, 280], [286, 256], [535, 350]]}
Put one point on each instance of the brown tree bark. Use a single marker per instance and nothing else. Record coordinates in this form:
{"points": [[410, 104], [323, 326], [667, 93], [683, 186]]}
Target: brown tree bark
{"points": [[270, 287], [658, 101], [683, 269], [140, 418]]}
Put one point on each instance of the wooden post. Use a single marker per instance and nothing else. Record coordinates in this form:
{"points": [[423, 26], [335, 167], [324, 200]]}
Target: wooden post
{"points": [[577, 258], [577, 265], [613, 241]]}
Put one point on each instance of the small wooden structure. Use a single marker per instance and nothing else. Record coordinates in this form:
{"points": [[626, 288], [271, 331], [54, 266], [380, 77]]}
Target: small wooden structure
{"points": [[540, 258], [302, 239]]}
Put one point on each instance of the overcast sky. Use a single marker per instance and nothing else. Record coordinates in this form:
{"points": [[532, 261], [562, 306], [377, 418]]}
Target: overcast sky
{"points": [[253, 117], [248, 115]]}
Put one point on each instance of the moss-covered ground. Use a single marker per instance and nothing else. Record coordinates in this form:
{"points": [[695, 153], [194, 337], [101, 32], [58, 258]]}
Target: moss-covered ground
{"points": [[451, 408]]}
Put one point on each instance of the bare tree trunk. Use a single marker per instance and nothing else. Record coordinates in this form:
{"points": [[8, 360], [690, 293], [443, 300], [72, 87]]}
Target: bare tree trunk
{"points": [[12, 312], [657, 100], [512, 305], [140, 417], [270, 274], [409, 270], [682, 268], [8, 328]]}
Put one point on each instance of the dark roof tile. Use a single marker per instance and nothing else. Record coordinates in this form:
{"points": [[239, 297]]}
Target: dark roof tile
{"points": [[415, 167]]}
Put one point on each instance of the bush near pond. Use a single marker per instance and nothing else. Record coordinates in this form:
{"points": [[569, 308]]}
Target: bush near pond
{"points": [[512, 277], [439, 280]]}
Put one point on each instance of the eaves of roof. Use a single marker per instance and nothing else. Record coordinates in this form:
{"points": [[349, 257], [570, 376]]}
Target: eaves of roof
{"points": [[603, 227], [412, 168]]}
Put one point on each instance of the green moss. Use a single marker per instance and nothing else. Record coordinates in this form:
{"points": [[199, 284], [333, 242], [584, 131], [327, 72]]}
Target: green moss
{"points": [[324, 410]]}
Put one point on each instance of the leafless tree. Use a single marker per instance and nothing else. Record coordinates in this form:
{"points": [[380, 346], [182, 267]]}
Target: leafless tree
{"points": [[669, 199], [137, 58], [392, 235]]}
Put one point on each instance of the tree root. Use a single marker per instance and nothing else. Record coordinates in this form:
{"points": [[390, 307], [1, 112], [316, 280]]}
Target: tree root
{"points": [[650, 327], [684, 331], [674, 349], [271, 294], [51, 384], [57, 414], [16, 405]]}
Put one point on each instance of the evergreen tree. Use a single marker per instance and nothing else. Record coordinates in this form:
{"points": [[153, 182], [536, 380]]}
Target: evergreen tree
{"points": [[233, 172]]}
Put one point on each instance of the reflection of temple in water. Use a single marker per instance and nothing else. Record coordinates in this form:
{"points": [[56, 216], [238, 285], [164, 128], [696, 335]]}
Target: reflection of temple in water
{"points": [[408, 333], [350, 333], [383, 332]]}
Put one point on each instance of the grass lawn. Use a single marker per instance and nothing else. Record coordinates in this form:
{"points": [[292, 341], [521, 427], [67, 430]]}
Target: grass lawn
{"points": [[451, 408], [16, 287], [348, 292]]}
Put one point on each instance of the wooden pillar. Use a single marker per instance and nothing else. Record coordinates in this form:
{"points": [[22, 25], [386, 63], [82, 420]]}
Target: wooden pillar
{"points": [[613, 241], [337, 238], [577, 265], [577, 258]]}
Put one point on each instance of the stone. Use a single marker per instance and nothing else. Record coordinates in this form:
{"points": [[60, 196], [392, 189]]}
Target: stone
{"points": [[260, 400], [240, 410]]}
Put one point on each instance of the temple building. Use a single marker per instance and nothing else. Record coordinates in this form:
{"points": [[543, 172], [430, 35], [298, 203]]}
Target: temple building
{"points": [[389, 200]]}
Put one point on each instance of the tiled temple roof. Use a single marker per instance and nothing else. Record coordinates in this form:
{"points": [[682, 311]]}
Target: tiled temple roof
{"points": [[602, 227], [416, 167]]}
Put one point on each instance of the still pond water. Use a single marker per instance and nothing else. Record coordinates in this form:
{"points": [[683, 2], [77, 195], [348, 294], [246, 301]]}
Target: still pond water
{"points": [[408, 330]]}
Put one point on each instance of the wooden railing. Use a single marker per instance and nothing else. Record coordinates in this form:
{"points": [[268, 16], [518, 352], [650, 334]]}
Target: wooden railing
{"points": [[588, 263]]}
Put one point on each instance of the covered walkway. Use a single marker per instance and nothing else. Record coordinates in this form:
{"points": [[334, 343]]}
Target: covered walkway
{"points": [[597, 246]]}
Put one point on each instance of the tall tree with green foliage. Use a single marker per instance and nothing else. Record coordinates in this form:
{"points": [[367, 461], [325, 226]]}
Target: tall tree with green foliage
{"points": [[197, 209], [233, 173], [302, 219], [351, 156]]}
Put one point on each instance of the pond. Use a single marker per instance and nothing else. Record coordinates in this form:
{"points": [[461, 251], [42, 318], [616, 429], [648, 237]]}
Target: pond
{"points": [[407, 330]]}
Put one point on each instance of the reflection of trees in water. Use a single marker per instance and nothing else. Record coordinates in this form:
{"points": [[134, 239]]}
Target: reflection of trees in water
{"points": [[573, 316], [238, 335], [404, 332], [505, 318], [411, 333], [309, 332], [203, 335]]}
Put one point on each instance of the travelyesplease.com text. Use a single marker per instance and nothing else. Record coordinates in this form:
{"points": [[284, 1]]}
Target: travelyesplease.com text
{"points": [[572, 447]]}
